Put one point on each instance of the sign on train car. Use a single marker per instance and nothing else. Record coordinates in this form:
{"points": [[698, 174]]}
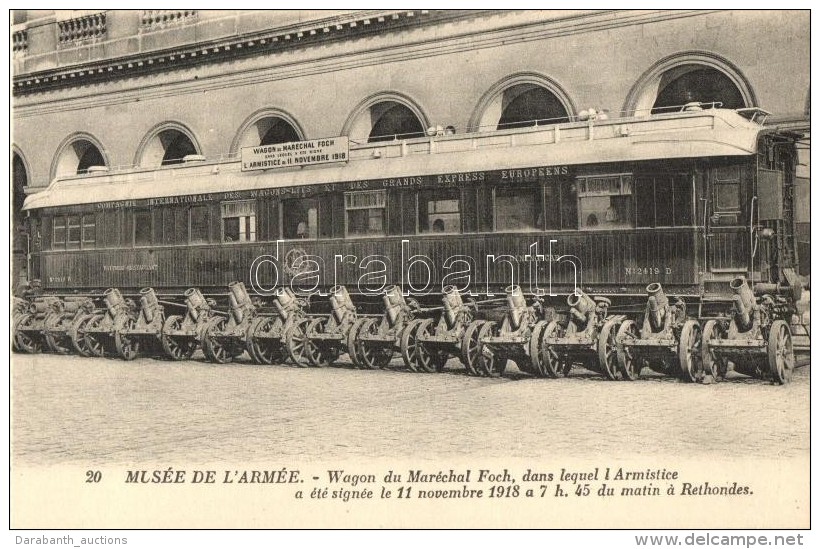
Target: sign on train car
{"points": [[296, 153]]}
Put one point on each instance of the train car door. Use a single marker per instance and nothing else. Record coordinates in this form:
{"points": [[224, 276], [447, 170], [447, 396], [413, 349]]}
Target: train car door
{"points": [[727, 223]]}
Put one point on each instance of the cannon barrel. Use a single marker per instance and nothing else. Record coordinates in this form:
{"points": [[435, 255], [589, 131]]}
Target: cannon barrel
{"points": [[149, 303], [46, 304], [284, 301], [196, 303], [656, 304], [113, 300], [580, 305], [451, 299], [393, 303], [340, 302], [517, 304], [744, 301], [239, 300]]}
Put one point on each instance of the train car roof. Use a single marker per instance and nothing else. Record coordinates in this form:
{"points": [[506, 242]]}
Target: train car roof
{"points": [[690, 134]]}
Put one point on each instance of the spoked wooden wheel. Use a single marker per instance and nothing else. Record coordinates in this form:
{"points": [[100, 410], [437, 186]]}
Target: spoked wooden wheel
{"points": [[351, 342], [26, 341], [372, 355], [552, 364], [295, 339], [429, 359], [689, 352], [534, 367], [176, 347], [471, 348], [608, 349], [95, 342], [214, 348], [315, 354], [263, 349], [714, 365], [490, 365], [629, 365], [781, 352], [56, 342], [127, 346], [409, 345], [77, 334]]}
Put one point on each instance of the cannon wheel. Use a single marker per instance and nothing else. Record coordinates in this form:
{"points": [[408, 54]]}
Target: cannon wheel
{"points": [[427, 360], [296, 340], [372, 356], [608, 349], [264, 350], [551, 364], [315, 355], [409, 345], [689, 352], [490, 365], [713, 365], [77, 334], [176, 347], [536, 350], [215, 350], [94, 342], [251, 342], [471, 348], [128, 347], [630, 365], [352, 335], [24, 340], [781, 352], [55, 342]]}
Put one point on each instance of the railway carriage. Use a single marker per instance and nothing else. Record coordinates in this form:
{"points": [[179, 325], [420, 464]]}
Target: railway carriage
{"points": [[698, 202]]}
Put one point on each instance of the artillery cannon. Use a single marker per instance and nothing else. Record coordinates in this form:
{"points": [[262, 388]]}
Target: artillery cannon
{"points": [[29, 327], [587, 337], [755, 337], [142, 328], [181, 334], [61, 328], [224, 337], [319, 340], [266, 337], [517, 338], [427, 343], [374, 340], [666, 340], [101, 331]]}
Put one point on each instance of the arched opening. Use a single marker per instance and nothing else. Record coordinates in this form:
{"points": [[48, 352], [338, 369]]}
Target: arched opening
{"points": [[688, 83], [266, 129], [167, 147], [689, 77], [520, 101], [19, 178], [77, 156], [385, 118]]}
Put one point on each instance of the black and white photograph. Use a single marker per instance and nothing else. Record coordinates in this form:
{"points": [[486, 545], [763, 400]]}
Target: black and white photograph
{"points": [[410, 269]]}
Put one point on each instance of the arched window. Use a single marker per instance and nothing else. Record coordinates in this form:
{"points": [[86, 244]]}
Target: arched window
{"points": [[689, 77], [76, 155], [385, 117], [522, 100], [167, 145], [266, 127]]}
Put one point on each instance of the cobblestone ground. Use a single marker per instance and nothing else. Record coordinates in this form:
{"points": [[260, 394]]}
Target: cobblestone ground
{"points": [[69, 410]]}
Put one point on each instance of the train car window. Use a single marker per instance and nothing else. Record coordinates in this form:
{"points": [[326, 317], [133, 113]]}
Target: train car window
{"points": [[89, 230], [300, 218], [518, 209], [365, 213], [605, 201], [239, 221], [142, 228], [439, 211], [58, 242], [569, 205], [74, 232], [198, 222]]}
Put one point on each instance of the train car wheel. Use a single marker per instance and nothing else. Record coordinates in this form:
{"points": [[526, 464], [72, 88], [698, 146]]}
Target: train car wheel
{"points": [[315, 355], [214, 349], [25, 341], [490, 365], [713, 365], [608, 349], [536, 349], [689, 352], [551, 363], [352, 342], [94, 342], [781, 352], [127, 346], [629, 365], [471, 348], [409, 345], [176, 347]]}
